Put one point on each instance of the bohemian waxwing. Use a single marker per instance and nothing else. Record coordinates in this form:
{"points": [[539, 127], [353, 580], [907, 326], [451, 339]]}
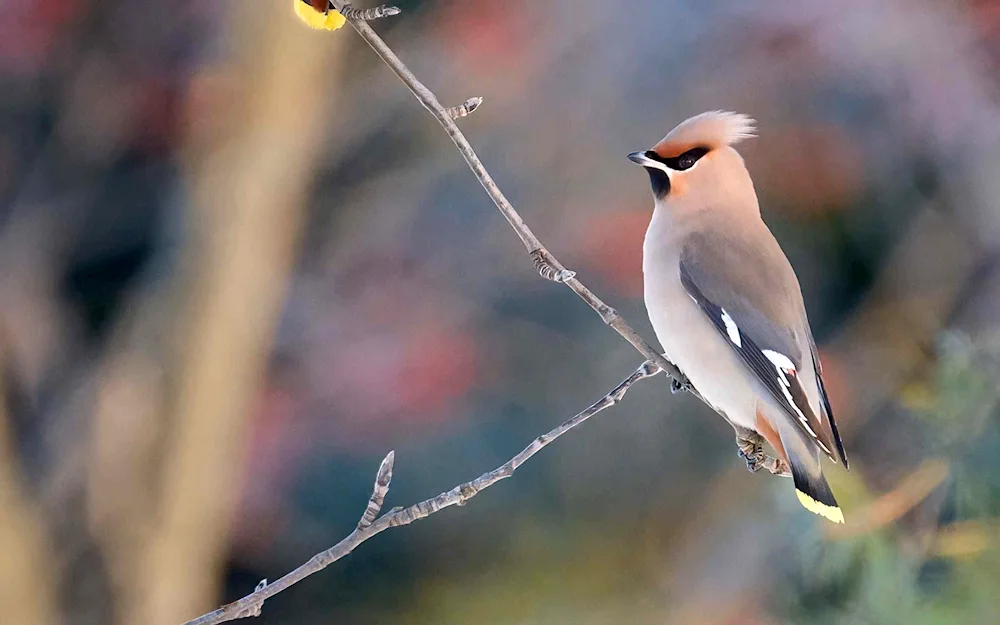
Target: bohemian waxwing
{"points": [[725, 302]]}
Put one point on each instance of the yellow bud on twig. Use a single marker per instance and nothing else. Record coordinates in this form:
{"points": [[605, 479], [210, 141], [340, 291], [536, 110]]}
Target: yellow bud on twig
{"points": [[320, 20]]}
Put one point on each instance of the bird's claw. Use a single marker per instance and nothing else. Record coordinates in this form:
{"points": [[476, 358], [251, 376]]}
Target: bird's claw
{"points": [[752, 452]]}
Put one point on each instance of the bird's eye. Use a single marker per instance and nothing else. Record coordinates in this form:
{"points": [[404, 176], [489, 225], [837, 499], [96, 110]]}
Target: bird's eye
{"points": [[687, 159]]}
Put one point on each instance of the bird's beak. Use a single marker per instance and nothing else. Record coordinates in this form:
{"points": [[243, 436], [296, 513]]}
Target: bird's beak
{"points": [[644, 159], [639, 158]]}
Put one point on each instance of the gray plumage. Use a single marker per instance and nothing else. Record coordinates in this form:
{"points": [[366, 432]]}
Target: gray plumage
{"points": [[726, 304]]}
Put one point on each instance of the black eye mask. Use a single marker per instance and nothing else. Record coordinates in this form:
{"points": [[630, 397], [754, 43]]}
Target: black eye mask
{"points": [[659, 180], [683, 162]]}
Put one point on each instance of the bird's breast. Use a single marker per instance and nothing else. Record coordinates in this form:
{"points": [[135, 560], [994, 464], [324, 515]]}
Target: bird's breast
{"points": [[687, 336]]}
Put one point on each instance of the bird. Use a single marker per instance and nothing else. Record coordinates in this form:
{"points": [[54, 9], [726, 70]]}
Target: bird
{"points": [[726, 305]]}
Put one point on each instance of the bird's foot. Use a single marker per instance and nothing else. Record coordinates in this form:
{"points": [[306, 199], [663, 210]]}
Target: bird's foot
{"points": [[752, 451], [679, 386]]}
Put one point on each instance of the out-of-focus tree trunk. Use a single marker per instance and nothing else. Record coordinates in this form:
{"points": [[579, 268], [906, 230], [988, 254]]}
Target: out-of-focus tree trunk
{"points": [[184, 451], [27, 569]]}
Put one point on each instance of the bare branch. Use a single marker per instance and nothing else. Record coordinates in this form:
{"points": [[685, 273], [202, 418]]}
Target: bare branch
{"points": [[547, 263], [250, 605]]}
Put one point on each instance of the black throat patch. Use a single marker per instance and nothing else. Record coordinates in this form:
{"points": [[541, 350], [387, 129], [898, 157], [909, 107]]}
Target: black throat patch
{"points": [[659, 181]]}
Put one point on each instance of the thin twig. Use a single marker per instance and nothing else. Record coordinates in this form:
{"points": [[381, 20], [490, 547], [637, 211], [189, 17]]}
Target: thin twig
{"points": [[549, 266], [251, 604]]}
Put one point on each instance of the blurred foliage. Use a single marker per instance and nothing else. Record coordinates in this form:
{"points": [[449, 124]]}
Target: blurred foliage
{"points": [[238, 263], [886, 576]]}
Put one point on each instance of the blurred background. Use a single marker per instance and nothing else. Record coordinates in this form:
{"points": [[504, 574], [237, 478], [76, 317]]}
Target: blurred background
{"points": [[239, 263]]}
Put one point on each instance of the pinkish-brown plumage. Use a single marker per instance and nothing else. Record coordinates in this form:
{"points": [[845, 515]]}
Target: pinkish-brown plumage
{"points": [[726, 305]]}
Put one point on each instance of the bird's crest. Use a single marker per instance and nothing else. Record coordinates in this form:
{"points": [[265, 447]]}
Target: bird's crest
{"points": [[712, 130]]}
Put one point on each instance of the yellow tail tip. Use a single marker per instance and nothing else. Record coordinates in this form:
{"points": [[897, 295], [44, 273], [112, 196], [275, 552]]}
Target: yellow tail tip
{"points": [[330, 20], [831, 513]]}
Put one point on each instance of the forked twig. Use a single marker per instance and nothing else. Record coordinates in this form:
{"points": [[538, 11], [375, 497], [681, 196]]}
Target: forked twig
{"points": [[371, 524]]}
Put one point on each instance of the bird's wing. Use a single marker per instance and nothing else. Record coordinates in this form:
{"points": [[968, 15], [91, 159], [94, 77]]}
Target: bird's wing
{"points": [[749, 292], [826, 408]]}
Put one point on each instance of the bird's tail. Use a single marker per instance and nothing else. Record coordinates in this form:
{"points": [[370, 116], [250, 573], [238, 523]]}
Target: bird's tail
{"points": [[810, 486]]}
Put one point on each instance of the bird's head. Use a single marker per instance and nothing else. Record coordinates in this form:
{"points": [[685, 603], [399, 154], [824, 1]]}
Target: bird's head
{"points": [[697, 155]]}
